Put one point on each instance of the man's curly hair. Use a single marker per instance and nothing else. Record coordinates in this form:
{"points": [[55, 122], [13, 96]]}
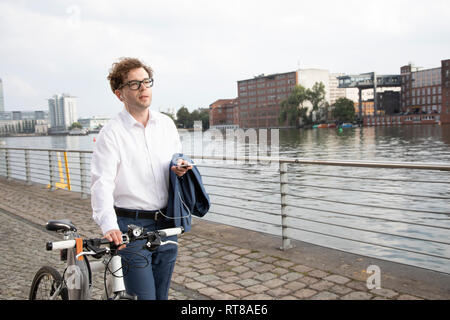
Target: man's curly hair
{"points": [[120, 69]]}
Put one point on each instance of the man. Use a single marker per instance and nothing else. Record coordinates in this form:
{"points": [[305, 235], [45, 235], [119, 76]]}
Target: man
{"points": [[130, 178]]}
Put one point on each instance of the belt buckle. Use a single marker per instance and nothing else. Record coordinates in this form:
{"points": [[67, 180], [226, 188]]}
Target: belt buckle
{"points": [[156, 215]]}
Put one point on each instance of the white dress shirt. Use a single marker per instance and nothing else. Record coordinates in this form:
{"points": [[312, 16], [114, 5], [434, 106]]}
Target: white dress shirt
{"points": [[130, 166]]}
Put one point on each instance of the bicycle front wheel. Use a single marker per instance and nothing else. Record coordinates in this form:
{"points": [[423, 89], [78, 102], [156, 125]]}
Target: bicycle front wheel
{"points": [[48, 285]]}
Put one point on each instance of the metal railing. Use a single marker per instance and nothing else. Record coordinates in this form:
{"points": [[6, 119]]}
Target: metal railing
{"points": [[389, 210]]}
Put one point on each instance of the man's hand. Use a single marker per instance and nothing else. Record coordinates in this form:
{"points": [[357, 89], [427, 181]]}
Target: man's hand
{"points": [[115, 236], [180, 171]]}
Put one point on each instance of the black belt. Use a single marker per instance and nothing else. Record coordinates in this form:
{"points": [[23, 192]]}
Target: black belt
{"points": [[139, 214]]}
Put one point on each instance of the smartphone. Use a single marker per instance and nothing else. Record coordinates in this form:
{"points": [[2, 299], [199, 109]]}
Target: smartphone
{"points": [[185, 165]]}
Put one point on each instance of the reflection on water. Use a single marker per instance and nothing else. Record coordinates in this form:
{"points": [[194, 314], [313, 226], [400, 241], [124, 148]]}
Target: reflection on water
{"points": [[331, 206]]}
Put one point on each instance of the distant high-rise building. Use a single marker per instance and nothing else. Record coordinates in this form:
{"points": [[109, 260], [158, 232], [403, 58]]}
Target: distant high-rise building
{"points": [[2, 99], [62, 111]]}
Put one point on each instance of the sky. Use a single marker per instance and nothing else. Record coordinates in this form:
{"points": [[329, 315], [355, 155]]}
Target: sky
{"points": [[200, 49]]}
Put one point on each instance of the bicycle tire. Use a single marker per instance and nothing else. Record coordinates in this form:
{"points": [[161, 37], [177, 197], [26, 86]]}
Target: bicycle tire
{"points": [[55, 280]]}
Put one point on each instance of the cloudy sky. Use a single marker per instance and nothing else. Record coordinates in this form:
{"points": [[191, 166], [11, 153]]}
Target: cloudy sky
{"points": [[199, 49]]}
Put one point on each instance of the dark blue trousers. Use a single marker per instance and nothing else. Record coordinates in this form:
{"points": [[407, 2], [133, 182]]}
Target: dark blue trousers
{"points": [[148, 274]]}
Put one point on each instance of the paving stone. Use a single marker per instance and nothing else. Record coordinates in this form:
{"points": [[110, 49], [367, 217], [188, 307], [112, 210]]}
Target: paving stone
{"points": [[357, 285], [240, 293], [283, 263], [226, 274], [240, 269], [229, 287], [337, 279], [268, 259], [232, 279], [325, 295], [230, 257], [357, 295], [280, 271], [256, 255], [287, 298], [291, 276], [295, 285], [274, 283], [241, 251], [248, 274], [257, 288], [258, 296], [206, 278], [194, 285], [263, 268], [318, 273], [266, 276], [308, 280], [301, 268], [207, 271], [341, 290], [208, 291], [304, 293], [408, 297], [384, 292], [321, 285], [248, 282], [278, 292]]}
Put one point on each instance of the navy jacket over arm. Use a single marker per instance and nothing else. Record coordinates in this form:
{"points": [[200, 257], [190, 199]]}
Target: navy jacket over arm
{"points": [[187, 195]]}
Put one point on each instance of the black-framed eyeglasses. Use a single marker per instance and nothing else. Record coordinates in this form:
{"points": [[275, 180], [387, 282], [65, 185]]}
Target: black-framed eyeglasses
{"points": [[136, 84]]}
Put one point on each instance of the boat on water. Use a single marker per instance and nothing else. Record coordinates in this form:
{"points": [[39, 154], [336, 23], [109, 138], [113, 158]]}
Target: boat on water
{"points": [[78, 132], [346, 125]]}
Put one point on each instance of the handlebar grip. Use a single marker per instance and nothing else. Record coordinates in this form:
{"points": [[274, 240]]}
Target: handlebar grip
{"points": [[57, 245], [171, 232]]}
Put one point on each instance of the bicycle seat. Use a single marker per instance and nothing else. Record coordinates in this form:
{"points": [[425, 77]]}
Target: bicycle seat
{"points": [[60, 225]]}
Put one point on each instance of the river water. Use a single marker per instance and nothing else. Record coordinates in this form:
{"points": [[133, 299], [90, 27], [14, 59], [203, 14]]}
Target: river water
{"points": [[394, 214]]}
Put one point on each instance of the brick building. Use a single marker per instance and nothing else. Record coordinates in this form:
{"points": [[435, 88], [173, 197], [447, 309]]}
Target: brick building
{"points": [[223, 114], [426, 91], [259, 99], [445, 74]]}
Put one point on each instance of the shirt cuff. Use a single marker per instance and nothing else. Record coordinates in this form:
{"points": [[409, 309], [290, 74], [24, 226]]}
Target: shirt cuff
{"points": [[109, 224]]}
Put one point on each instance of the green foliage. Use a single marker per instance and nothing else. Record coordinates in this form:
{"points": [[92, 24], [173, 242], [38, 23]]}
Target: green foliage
{"points": [[76, 125], [292, 111], [316, 95], [185, 119], [344, 110]]}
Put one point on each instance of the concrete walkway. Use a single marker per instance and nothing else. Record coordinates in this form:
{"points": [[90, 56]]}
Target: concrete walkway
{"points": [[214, 262]]}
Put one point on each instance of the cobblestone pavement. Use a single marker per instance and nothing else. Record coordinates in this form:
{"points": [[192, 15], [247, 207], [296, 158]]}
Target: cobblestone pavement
{"points": [[206, 268]]}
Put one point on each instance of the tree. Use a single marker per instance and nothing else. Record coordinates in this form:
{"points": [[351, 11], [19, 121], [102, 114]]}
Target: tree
{"points": [[291, 109], [184, 119], [204, 117], [344, 110], [316, 95], [76, 125]]}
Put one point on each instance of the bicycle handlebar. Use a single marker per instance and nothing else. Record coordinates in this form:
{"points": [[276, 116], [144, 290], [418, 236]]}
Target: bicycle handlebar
{"points": [[134, 233]]}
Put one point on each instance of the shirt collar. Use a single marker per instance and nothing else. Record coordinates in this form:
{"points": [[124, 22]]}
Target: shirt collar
{"points": [[129, 121]]}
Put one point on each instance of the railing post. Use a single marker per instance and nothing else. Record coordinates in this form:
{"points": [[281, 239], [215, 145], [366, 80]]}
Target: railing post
{"points": [[27, 166], [7, 164], [82, 176], [50, 167], [286, 242]]}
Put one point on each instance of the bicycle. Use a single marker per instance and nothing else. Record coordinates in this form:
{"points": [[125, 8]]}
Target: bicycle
{"points": [[76, 281]]}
